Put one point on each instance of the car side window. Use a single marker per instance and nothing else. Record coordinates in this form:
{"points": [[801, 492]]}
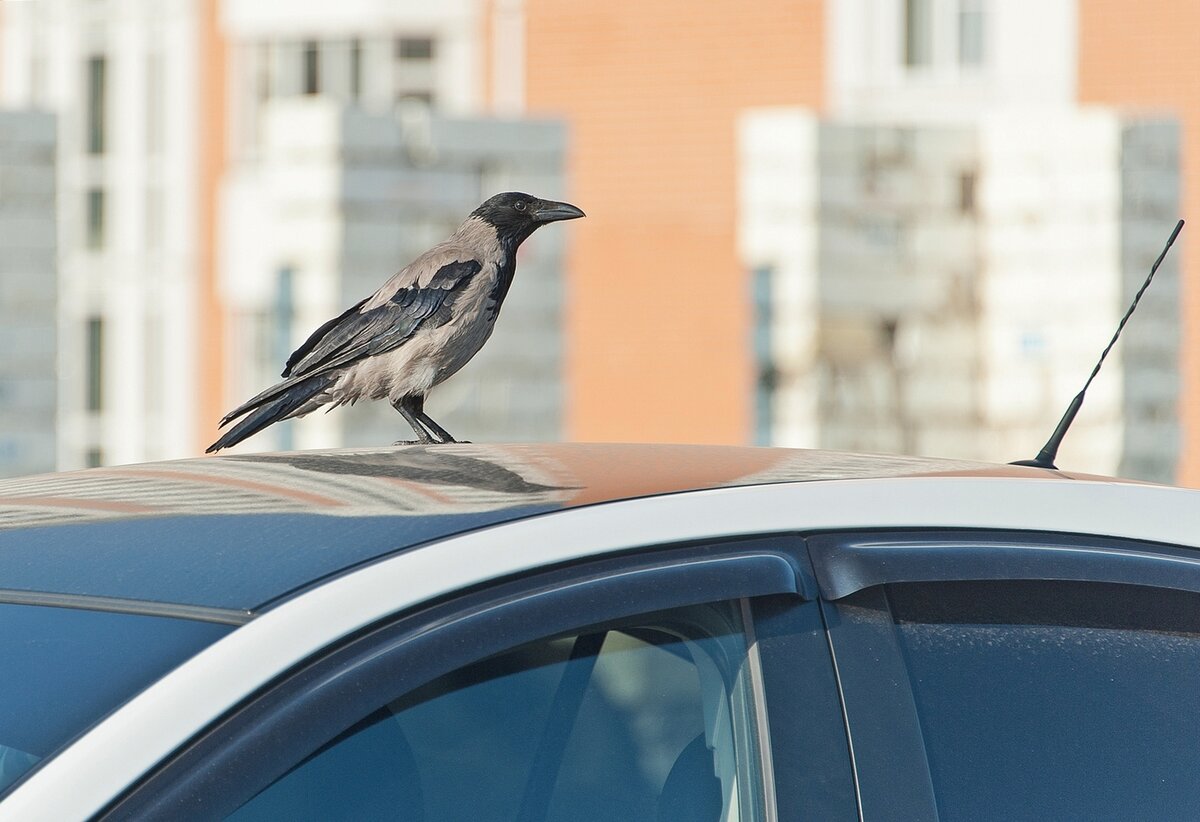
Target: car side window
{"points": [[1055, 700], [649, 719]]}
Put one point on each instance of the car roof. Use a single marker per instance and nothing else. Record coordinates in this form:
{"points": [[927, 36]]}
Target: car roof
{"points": [[233, 534]]}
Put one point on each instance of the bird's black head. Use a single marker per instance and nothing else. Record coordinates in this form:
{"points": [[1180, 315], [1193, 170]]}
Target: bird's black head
{"points": [[515, 215]]}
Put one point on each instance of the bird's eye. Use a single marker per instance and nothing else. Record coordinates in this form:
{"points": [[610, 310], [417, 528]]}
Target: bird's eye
{"points": [[519, 205]]}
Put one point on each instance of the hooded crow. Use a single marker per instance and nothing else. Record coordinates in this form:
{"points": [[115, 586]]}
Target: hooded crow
{"points": [[420, 327]]}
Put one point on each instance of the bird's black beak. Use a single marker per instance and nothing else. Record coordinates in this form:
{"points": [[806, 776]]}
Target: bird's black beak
{"points": [[548, 211]]}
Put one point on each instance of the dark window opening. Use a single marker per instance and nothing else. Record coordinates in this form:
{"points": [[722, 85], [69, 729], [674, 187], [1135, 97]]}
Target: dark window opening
{"points": [[95, 222], [96, 83], [312, 67], [355, 69], [414, 48], [95, 364], [966, 192]]}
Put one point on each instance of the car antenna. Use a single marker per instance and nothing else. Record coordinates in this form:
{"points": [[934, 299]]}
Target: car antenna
{"points": [[1045, 457]]}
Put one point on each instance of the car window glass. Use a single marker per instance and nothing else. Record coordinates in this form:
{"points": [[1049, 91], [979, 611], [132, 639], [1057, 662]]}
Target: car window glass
{"points": [[1053, 700], [61, 669], [644, 721]]}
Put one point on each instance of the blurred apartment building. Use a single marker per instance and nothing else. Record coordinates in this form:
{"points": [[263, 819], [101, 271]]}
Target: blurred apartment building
{"points": [[941, 260], [232, 174], [883, 225], [703, 139]]}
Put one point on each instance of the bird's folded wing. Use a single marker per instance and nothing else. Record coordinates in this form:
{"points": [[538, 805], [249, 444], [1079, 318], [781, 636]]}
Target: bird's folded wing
{"points": [[358, 333]]}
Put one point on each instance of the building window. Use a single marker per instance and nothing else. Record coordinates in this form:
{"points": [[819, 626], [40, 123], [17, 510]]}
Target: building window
{"points": [[764, 357], [967, 184], [94, 458], [312, 67], [95, 218], [918, 32], [155, 103], [414, 48], [971, 33], [95, 364], [355, 69], [96, 81], [423, 97]]}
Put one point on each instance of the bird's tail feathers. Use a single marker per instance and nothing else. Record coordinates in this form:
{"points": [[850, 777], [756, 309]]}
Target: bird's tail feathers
{"points": [[276, 403]]}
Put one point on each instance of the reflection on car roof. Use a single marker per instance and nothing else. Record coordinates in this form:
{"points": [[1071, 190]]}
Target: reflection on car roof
{"points": [[455, 479]]}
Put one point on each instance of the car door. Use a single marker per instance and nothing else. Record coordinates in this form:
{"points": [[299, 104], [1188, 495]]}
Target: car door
{"points": [[1016, 675], [668, 684]]}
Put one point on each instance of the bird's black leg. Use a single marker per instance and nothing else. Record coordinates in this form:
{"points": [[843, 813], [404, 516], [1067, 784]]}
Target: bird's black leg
{"points": [[410, 409], [436, 429], [442, 434]]}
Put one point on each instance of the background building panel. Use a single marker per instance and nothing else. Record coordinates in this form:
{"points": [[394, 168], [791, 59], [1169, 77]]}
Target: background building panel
{"points": [[29, 402], [963, 328]]}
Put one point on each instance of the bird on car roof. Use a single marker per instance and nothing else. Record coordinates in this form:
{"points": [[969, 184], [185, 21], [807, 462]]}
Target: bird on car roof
{"points": [[422, 325]]}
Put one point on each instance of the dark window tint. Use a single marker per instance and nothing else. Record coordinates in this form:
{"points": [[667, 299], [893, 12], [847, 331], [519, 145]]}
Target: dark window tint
{"points": [[63, 669], [642, 723], [1042, 700]]}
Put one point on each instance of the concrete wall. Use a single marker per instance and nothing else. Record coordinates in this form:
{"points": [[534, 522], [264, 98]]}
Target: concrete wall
{"points": [[28, 293]]}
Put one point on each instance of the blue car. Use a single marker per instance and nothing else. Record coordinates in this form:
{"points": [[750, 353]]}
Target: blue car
{"points": [[597, 632]]}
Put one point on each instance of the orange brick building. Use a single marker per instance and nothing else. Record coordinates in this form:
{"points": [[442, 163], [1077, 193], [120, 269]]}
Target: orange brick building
{"points": [[1145, 56], [659, 312]]}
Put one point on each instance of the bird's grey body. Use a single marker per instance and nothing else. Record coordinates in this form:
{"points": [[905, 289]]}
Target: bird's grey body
{"points": [[419, 328]]}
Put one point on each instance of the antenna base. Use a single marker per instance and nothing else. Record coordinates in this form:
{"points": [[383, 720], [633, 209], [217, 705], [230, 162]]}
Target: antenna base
{"points": [[1036, 463]]}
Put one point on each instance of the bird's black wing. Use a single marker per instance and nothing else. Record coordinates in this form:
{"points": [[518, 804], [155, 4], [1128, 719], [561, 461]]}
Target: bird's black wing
{"points": [[357, 333], [315, 338]]}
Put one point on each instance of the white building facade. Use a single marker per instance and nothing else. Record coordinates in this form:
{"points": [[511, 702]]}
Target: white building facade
{"points": [[121, 76], [939, 262]]}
